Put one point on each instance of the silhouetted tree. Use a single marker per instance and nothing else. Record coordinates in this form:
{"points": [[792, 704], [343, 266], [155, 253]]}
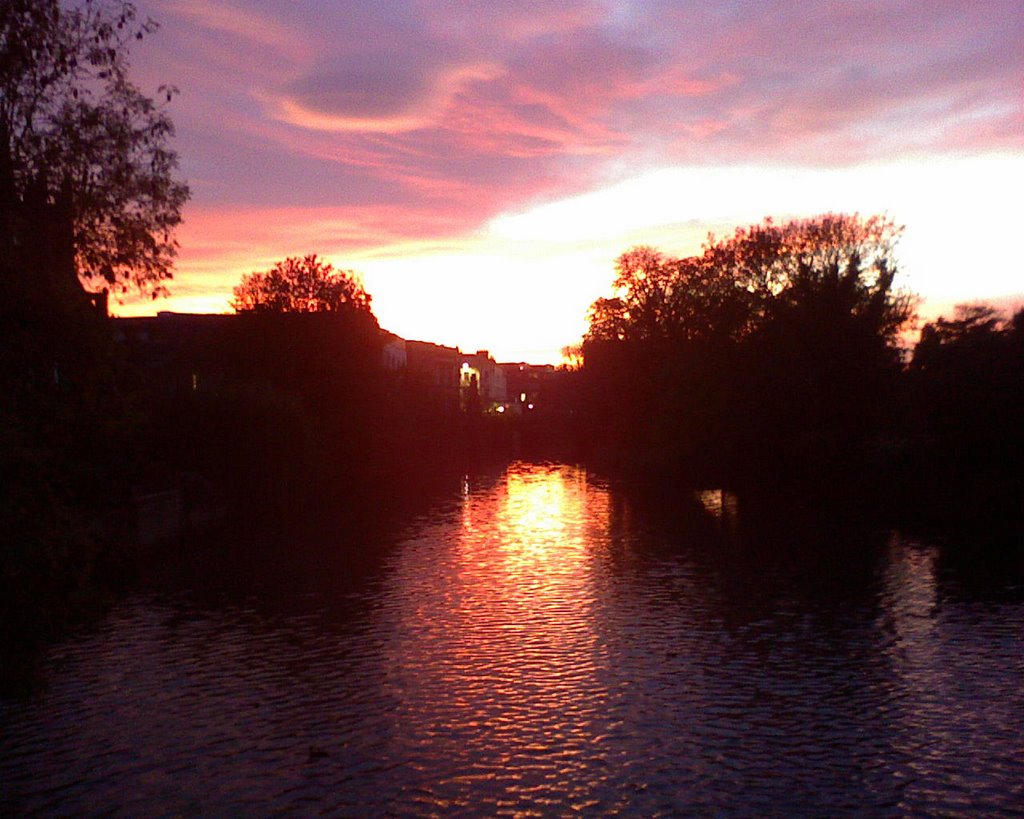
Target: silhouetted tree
{"points": [[822, 358], [87, 195], [642, 308], [86, 192], [663, 299], [831, 265], [572, 357], [775, 350], [77, 134], [966, 390], [301, 285], [971, 323]]}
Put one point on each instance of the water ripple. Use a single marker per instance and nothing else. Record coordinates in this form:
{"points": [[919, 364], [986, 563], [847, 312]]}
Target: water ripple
{"points": [[537, 649]]}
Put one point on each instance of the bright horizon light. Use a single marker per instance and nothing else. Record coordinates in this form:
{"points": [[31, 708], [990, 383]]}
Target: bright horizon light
{"points": [[484, 171], [521, 286], [547, 265]]}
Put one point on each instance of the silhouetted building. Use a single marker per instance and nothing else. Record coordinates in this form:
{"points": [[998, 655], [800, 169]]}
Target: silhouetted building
{"points": [[176, 349], [432, 374], [198, 352], [393, 355], [530, 386], [479, 371]]}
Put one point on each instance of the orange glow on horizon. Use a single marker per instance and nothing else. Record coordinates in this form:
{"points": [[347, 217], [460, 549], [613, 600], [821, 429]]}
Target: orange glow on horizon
{"points": [[485, 169], [520, 286]]}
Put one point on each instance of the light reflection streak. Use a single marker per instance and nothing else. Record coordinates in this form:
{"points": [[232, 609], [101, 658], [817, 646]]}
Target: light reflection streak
{"points": [[520, 676], [530, 544], [910, 611]]}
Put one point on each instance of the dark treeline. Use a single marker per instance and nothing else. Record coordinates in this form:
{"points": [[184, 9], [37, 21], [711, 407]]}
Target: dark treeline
{"points": [[88, 193], [774, 364], [772, 358], [963, 393]]}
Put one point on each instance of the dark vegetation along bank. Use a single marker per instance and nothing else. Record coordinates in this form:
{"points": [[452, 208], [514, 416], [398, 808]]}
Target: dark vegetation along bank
{"points": [[777, 364], [773, 365]]}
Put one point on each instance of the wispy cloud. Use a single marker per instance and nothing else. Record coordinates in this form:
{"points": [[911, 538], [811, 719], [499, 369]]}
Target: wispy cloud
{"points": [[358, 127]]}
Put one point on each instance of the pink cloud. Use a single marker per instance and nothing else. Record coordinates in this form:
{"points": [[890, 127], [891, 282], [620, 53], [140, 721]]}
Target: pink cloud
{"points": [[376, 133], [398, 121], [243, 24], [374, 97], [484, 21]]}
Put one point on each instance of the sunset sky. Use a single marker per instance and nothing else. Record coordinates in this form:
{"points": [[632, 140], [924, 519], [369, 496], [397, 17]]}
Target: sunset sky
{"points": [[482, 163]]}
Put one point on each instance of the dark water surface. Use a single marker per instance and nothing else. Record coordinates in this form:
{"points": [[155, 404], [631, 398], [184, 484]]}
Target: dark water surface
{"points": [[538, 646]]}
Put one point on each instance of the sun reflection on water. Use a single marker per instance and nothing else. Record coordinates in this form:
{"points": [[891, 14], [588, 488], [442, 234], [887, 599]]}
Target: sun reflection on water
{"points": [[520, 675], [535, 522], [526, 549]]}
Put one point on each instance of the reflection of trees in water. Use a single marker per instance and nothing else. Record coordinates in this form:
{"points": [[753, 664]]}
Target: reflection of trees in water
{"points": [[548, 639], [948, 696]]}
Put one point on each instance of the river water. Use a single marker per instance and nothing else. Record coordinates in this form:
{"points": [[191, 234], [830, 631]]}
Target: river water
{"points": [[537, 644]]}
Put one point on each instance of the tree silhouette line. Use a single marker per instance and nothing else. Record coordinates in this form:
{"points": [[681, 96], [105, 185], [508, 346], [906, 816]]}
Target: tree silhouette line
{"points": [[963, 421], [301, 285], [775, 363], [89, 202]]}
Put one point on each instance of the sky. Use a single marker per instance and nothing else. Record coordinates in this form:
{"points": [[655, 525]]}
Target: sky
{"points": [[482, 164]]}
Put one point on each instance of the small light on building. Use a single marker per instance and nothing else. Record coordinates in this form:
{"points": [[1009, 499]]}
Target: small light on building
{"points": [[195, 382], [529, 406], [501, 408], [522, 398]]}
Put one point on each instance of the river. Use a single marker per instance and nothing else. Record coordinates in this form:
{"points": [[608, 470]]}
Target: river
{"points": [[537, 644]]}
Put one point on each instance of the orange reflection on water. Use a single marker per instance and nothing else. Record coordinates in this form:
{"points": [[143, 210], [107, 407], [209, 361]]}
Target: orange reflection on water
{"points": [[536, 530], [495, 653], [526, 553]]}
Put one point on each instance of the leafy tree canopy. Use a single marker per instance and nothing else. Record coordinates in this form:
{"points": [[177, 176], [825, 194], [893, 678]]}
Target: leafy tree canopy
{"points": [[836, 264], [969, 320], [832, 265], [977, 337], [301, 285], [74, 130]]}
